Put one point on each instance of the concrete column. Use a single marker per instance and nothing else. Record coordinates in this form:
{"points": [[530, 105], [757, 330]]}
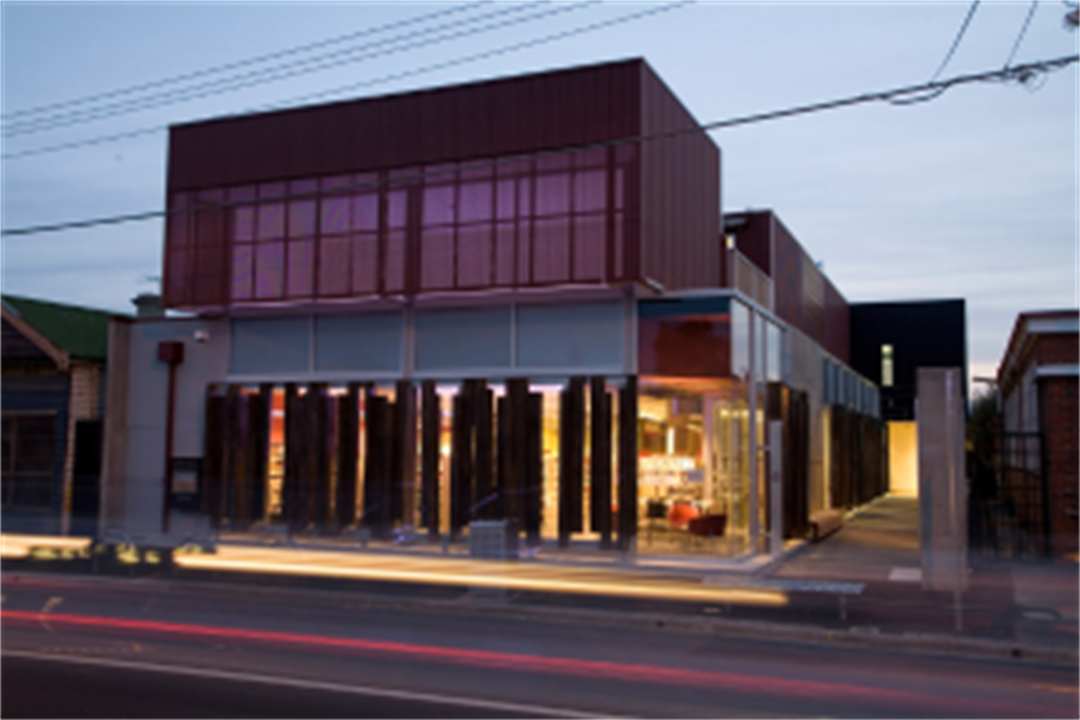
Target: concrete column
{"points": [[939, 413]]}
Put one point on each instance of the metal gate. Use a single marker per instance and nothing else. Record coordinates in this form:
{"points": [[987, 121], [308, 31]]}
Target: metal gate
{"points": [[1009, 495]]}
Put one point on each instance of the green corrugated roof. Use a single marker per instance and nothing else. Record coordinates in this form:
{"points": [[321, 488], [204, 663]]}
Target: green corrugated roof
{"points": [[80, 332]]}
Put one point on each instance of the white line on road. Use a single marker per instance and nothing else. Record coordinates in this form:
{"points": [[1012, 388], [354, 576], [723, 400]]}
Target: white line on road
{"points": [[531, 710]]}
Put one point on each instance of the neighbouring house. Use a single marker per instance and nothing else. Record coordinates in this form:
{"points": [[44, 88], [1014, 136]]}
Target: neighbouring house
{"points": [[54, 358], [1038, 380]]}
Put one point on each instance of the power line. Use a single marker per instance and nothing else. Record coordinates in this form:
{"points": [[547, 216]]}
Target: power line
{"points": [[1023, 30], [1017, 72], [241, 63], [515, 47], [956, 41], [299, 67]]}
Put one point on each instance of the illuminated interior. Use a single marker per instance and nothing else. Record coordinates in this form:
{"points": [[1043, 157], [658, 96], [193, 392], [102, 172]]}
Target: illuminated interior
{"points": [[693, 477], [903, 458], [704, 365]]}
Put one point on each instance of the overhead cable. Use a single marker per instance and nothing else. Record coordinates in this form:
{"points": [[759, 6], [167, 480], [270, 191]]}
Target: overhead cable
{"points": [[956, 41], [97, 97], [1040, 67], [290, 102], [1023, 30], [410, 41]]}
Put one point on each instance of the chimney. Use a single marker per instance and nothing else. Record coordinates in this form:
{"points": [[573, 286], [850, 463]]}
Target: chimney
{"points": [[148, 305]]}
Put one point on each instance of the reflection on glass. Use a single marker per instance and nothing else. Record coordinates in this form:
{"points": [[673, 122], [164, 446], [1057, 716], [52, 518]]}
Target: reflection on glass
{"points": [[773, 342], [740, 341]]}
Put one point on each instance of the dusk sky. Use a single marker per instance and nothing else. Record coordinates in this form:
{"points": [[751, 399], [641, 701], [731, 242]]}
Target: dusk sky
{"points": [[972, 194]]}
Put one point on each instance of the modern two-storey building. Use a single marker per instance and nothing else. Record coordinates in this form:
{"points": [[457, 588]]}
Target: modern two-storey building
{"points": [[516, 299]]}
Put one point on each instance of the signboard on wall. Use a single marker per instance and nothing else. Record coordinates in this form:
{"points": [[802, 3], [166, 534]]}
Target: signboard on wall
{"points": [[184, 482]]}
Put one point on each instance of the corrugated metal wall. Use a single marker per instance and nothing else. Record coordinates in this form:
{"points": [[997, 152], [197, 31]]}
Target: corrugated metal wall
{"points": [[803, 296], [500, 117], [395, 141], [680, 194]]}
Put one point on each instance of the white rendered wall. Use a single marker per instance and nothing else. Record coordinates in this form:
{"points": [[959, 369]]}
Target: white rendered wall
{"points": [[138, 471]]}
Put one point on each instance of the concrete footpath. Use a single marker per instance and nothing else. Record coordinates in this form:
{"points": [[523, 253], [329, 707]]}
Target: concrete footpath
{"points": [[860, 586], [1027, 602]]}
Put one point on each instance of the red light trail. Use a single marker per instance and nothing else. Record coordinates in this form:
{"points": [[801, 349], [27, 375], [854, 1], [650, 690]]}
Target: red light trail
{"points": [[810, 689]]}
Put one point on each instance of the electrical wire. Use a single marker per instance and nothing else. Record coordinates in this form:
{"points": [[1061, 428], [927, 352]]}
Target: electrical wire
{"points": [[515, 47], [1034, 68], [241, 63], [417, 39], [956, 41], [948, 56], [1023, 30]]}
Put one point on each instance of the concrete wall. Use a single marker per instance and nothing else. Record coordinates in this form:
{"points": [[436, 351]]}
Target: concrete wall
{"points": [[942, 478], [133, 482]]}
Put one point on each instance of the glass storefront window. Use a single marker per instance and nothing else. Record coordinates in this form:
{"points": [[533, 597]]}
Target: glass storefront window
{"points": [[694, 426], [740, 341], [276, 466], [685, 338], [773, 342], [549, 448], [692, 469]]}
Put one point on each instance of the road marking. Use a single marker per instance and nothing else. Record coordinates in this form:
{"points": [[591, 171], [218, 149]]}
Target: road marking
{"points": [[905, 574], [530, 710], [49, 605]]}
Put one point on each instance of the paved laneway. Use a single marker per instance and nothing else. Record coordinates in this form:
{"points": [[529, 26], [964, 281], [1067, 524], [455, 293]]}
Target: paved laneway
{"points": [[878, 543]]}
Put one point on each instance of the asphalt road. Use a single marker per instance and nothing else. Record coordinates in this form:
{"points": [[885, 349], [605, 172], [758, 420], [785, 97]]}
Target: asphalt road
{"points": [[49, 686], [81, 647]]}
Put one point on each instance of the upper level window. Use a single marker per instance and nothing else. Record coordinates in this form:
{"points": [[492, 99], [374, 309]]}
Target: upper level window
{"points": [[548, 219], [886, 366]]}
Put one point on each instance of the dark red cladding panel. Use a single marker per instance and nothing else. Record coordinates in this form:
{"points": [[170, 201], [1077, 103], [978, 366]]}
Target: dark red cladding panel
{"points": [[680, 193], [803, 296], [837, 323], [520, 114], [754, 239], [647, 208]]}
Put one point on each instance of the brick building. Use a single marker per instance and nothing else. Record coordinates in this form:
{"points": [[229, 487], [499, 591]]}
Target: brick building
{"points": [[1038, 379]]}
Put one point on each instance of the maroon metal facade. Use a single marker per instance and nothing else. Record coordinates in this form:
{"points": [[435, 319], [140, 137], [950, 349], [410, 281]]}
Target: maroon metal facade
{"points": [[802, 295], [680, 194], [507, 183], [754, 237]]}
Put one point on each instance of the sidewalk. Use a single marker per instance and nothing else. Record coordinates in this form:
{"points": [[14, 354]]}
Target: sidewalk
{"points": [[1031, 602]]}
